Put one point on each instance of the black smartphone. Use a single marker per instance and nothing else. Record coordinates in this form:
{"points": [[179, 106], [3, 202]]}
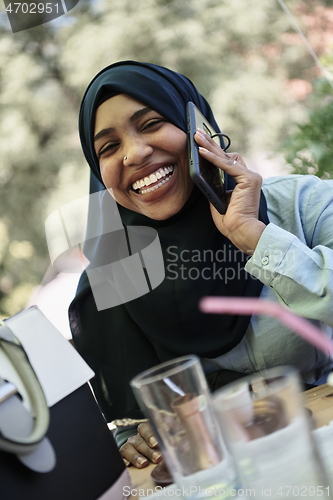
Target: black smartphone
{"points": [[207, 177]]}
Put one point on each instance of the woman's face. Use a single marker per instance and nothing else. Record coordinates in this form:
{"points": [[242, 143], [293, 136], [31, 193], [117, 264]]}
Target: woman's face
{"points": [[154, 179]]}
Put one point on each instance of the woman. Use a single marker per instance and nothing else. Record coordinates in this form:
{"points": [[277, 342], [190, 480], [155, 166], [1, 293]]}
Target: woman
{"points": [[133, 133]]}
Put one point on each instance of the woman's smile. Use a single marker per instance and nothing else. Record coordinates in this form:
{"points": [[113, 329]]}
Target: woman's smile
{"points": [[143, 157], [153, 181]]}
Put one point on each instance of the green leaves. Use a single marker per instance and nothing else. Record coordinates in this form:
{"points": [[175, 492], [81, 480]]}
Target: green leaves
{"points": [[240, 54], [310, 148]]}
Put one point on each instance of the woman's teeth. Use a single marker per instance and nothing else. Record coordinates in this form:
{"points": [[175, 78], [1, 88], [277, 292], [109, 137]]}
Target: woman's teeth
{"points": [[163, 173]]}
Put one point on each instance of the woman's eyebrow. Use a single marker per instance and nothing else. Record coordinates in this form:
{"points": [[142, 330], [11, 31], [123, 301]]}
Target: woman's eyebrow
{"points": [[103, 132], [139, 113], [135, 116]]}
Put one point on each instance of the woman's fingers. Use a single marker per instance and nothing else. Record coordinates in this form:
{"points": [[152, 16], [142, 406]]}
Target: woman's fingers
{"points": [[240, 223], [204, 140], [232, 163], [131, 454], [141, 448], [146, 432], [138, 453]]}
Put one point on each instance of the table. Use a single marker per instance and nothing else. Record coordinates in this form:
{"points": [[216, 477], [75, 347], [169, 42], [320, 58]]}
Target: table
{"points": [[141, 480], [319, 400]]}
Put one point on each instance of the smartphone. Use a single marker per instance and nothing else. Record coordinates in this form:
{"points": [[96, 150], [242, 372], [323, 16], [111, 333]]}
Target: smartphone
{"points": [[206, 176]]}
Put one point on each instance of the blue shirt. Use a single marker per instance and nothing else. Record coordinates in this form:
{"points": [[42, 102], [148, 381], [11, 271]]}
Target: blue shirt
{"points": [[294, 260]]}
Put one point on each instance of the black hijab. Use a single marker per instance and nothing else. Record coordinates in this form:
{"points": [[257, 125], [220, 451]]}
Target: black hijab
{"points": [[199, 260], [159, 88]]}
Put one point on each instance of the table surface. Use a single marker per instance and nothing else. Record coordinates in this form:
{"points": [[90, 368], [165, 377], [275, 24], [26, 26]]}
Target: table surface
{"points": [[319, 400]]}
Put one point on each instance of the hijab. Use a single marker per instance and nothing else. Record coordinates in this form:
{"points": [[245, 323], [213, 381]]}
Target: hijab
{"points": [[199, 260], [163, 90]]}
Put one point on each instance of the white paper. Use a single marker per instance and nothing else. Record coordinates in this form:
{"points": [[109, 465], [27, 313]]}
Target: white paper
{"points": [[58, 366], [324, 439]]}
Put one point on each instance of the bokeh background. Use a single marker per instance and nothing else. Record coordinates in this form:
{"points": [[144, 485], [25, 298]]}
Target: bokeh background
{"points": [[245, 56]]}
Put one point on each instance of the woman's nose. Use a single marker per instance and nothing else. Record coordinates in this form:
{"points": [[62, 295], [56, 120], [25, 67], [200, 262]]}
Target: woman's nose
{"points": [[136, 151]]}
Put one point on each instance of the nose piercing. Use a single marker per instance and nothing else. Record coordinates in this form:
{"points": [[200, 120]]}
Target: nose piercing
{"points": [[125, 157]]}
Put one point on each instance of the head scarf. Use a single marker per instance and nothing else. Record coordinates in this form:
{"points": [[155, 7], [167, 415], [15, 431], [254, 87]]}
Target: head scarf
{"points": [[163, 90], [166, 322]]}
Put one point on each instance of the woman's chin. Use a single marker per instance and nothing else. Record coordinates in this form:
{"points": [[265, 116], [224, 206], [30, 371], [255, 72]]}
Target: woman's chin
{"points": [[159, 209]]}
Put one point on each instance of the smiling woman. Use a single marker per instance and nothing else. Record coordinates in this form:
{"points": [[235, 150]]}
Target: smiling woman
{"points": [[274, 241], [154, 178]]}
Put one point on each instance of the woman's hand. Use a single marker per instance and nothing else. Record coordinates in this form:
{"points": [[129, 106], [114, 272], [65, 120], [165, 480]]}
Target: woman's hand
{"points": [[240, 223], [141, 447]]}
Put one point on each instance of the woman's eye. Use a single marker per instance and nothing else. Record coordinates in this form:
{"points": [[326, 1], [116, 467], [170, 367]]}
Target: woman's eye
{"points": [[107, 148], [151, 123]]}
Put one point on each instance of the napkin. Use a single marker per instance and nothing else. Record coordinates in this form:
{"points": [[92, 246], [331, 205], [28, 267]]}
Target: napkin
{"points": [[323, 438]]}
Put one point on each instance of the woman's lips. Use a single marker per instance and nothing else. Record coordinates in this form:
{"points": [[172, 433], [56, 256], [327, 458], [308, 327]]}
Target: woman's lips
{"points": [[154, 181]]}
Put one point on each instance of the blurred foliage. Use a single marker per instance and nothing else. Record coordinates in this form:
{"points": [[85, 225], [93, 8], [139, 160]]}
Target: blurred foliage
{"points": [[310, 149], [241, 55]]}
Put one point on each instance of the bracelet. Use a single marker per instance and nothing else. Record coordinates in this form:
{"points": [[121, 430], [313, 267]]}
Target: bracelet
{"points": [[127, 422]]}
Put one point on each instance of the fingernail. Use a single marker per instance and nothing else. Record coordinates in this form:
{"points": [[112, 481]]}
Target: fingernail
{"points": [[141, 461], [156, 456], [153, 441], [200, 131]]}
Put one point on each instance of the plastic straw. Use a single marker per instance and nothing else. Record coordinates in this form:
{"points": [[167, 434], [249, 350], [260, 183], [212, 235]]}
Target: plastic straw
{"points": [[249, 306]]}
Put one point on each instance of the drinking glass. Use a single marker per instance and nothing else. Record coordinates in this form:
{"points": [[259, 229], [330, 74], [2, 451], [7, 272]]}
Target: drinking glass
{"points": [[267, 432], [175, 398]]}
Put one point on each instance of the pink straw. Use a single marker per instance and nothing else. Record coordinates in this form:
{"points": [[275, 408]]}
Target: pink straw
{"points": [[245, 306]]}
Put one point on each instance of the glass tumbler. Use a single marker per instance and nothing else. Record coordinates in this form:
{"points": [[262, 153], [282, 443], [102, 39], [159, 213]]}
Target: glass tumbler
{"points": [[267, 432], [175, 398]]}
